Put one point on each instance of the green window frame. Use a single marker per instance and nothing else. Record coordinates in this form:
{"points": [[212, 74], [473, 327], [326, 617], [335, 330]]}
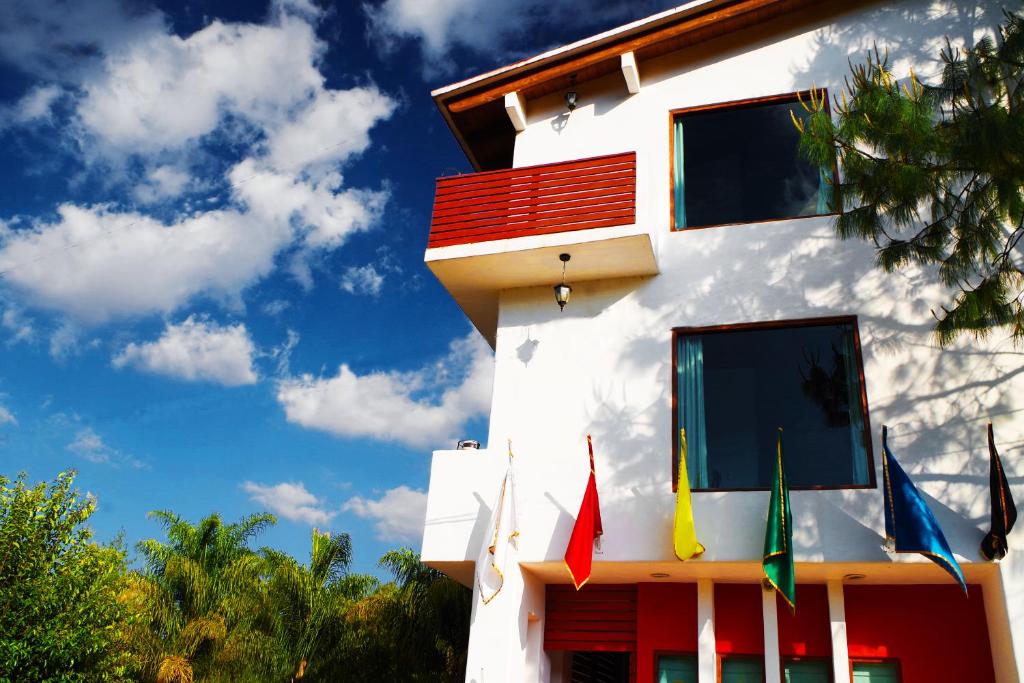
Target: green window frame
{"points": [[741, 669], [876, 671], [676, 668], [806, 670]]}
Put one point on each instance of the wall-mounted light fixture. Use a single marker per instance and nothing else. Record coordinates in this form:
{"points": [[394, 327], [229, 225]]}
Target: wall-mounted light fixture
{"points": [[562, 290], [570, 94]]}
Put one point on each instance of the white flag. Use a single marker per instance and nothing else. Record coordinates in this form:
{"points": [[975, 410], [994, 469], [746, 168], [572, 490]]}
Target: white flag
{"points": [[502, 532]]}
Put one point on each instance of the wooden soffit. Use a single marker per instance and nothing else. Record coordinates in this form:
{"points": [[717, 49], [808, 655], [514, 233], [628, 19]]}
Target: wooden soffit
{"points": [[474, 108]]}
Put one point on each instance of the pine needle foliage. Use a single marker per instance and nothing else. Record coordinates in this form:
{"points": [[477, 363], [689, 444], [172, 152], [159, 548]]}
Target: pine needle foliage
{"points": [[933, 174]]}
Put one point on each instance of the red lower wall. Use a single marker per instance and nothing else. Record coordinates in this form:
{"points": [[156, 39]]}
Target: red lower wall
{"points": [[808, 633], [666, 623], [739, 629], [938, 634]]}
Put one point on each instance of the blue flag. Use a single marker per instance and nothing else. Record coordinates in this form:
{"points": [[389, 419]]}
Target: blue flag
{"points": [[909, 524]]}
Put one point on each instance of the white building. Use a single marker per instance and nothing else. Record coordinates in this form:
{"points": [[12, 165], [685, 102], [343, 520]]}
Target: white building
{"points": [[688, 111]]}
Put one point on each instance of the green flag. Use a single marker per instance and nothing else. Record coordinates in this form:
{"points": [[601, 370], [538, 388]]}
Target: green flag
{"points": [[778, 536]]}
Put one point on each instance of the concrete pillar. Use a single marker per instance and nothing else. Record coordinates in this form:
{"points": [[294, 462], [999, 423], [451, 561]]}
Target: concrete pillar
{"points": [[498, 633], [706, 655], [1004, 614], [837, 618], [770, 614]]}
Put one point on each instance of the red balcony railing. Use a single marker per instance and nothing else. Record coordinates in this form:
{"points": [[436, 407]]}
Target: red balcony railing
{"points": [[535, 200]]}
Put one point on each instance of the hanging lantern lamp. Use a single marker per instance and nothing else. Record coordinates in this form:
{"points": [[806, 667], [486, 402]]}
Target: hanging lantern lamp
{"points": [[570, 95], [562, 290]]}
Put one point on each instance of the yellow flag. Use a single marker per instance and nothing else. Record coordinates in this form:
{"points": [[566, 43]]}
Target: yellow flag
{"points": [[684, 535]]}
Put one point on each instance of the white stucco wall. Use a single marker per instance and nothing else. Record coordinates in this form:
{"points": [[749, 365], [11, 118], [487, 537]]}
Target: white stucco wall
{"points": [[603, 366]]}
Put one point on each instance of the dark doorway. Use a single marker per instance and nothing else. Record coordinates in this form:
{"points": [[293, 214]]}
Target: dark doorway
{"points": [[600, 667]]}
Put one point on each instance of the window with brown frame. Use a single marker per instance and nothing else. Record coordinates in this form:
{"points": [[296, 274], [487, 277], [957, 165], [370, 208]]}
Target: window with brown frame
{"points": [[739, 162], [734, 386]]}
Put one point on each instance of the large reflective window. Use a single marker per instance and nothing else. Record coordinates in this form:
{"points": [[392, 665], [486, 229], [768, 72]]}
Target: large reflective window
{"points": [[742, 165], [736, 387]]}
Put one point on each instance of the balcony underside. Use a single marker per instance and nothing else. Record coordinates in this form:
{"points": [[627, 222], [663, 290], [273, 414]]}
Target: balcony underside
{"points": [[915, 570], [505, 229], [474, 274]]}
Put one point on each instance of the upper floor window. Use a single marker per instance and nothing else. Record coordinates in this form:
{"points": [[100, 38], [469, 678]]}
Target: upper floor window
{"points": [[736, 385], [740, 163]]}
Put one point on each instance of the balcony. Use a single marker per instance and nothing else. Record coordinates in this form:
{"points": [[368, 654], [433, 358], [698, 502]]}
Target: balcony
{"points": [[504, 229], [535, 200]]}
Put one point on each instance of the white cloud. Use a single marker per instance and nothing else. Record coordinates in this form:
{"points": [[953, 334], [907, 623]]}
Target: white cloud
{"points": [[19, 327], [258, 87], [64, 341], [335, 125], [319, 209], [6, 416], [282, 354], [492, 27], [196, 349], [162, 182], [290, 500], [421, 409], [276, 307], [257, 72], [362, 280], [90, 446], [64, 40], [35, 106], [96, 263], [398, 514]]}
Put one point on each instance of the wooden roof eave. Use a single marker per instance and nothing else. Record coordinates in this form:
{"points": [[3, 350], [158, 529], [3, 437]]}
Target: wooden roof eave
{"points": [[593, 58]]}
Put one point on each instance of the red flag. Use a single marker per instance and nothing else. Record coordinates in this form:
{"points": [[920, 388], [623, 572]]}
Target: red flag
{"points": [[580, 554]]}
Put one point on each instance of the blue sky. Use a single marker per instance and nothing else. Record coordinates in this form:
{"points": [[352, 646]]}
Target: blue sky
{"points": [[211, 236]]}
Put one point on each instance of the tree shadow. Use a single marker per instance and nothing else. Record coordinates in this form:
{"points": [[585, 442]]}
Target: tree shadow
{"points": [[604, 365]]}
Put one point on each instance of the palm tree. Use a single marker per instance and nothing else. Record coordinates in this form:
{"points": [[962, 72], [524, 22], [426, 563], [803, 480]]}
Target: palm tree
{"points": [[306, 598], [203, 609], [432, 617]]}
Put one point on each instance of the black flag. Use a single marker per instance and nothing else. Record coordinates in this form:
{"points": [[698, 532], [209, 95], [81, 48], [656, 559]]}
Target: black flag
{"points": [[1004, 512]]}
